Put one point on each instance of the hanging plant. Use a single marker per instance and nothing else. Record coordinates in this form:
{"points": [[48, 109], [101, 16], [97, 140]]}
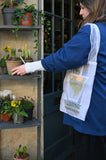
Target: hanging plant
{"points": [[30, 16]]}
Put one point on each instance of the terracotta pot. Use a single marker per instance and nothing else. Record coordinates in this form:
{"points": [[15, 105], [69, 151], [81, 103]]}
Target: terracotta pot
{"points": [[27, 20], [5, 117], [11, 64]]}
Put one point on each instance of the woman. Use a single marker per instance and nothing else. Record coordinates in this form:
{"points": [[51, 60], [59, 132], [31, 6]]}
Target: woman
{"points": [[90, 133]]}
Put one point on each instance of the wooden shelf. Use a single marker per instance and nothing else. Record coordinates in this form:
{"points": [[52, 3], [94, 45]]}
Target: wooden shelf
{"points": [[25, 124]]}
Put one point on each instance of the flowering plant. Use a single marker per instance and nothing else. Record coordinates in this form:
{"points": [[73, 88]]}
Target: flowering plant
{"points": [[12, 107], [8, 49], [9, 103], [17, 108]]}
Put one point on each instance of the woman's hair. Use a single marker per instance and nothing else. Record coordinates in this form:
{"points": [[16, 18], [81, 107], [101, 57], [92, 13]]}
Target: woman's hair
{"points": [[97, 10]]}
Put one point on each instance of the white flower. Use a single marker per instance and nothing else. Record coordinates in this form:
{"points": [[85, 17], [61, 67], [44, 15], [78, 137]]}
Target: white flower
{"points": [[5, 93]]}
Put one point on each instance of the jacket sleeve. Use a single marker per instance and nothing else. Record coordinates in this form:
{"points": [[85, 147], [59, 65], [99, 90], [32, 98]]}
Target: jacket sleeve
{"points": [[73, 55]]}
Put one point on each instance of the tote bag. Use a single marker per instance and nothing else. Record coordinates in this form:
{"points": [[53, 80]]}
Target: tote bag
{"points": [[78, 83]]}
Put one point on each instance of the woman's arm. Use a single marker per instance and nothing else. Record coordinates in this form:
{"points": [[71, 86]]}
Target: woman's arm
{"points": [[27, 68], [73, 55]]}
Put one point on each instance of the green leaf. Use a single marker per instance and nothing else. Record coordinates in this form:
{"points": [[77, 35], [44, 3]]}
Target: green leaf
{"points": [[24, 149], [17, 151], [16, 117], [23, 113], [10, 114]]}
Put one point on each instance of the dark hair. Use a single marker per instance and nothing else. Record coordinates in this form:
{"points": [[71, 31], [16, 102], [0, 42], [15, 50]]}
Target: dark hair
{"points": [[97, 9]]}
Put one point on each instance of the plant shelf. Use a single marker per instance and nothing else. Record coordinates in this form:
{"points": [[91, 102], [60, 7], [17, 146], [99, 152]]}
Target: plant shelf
{"points": [[10, 27], [27, 76], [25, 124], [37, 77]]}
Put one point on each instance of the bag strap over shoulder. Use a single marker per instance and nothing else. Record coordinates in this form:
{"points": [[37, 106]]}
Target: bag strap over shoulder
{"points": [[95, 42]]}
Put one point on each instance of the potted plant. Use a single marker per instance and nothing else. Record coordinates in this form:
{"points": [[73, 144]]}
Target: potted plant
{"points": [[25, 54], [12, 60], [5, 109], [26, 16], [8, 8], [18, 111], [29, 16], [3, 65], [5, 104], [28, 105], [21, 154]]}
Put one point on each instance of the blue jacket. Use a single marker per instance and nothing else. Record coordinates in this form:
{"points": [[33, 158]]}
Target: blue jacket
{"points": [[73, 55]]}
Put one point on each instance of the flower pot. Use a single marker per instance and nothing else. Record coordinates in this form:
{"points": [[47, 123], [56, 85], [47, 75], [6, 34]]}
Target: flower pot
{"points": [[29, 111], [11, 64], [28, 60], [7, 15], [26, 20], [19, 119], [5, 117], [19, 158], [27, 158], [3, 70]]}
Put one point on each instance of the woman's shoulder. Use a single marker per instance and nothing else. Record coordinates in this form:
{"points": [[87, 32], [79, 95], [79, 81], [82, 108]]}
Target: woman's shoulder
{"points": [[102, 26], [85, 29]]}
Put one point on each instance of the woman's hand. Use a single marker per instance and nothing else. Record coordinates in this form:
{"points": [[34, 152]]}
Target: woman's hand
{"points": [[20, 70]]}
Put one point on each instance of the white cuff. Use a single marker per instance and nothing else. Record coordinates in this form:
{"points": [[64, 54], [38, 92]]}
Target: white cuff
{"points": [[33, 66]]}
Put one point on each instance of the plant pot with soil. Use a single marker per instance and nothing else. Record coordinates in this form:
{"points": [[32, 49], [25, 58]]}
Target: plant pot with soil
{"points": [[9, 6], [18, 111], [8, 13], [26, 20], [12, 60], [12, 64], [5, 117], [28, 105], [25, 54], [5, 110], [21, 154]]}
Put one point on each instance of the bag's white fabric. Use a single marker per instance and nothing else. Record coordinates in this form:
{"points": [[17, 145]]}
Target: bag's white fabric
{"points": [[78, 83]]}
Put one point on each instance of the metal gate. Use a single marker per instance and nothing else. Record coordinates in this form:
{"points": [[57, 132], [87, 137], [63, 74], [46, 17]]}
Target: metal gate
{"points": [[58, 138]]}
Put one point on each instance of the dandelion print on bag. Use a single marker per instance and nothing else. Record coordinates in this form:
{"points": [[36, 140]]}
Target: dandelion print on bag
{"points": [[77, 82]]}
